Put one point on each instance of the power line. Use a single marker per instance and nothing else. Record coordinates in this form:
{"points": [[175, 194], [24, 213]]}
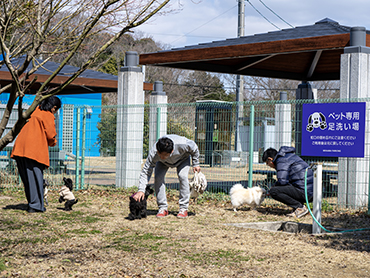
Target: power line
{"points": [[176, 35], [275, 14], [204, 24], [262, 15]]}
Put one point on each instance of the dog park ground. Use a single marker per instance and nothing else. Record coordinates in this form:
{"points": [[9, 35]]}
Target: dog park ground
{"points": [[97, 240]]}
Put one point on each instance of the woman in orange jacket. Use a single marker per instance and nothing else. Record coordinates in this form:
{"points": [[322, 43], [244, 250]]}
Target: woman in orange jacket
{"points": [[31, 151]]}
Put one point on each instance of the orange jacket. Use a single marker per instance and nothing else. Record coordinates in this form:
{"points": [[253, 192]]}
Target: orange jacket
{"points": [[35, 137]]}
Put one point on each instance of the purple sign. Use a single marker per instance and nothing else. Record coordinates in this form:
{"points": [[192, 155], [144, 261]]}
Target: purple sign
{"points": [[333, 129]]}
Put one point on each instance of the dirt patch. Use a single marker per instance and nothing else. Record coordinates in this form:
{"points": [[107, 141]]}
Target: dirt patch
{"points": [[97, 240]]}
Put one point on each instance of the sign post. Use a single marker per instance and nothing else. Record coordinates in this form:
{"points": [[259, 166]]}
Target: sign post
{"points": [[331, 130]]}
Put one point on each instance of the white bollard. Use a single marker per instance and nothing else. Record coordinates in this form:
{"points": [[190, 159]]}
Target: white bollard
{"points": [[317, 197]]}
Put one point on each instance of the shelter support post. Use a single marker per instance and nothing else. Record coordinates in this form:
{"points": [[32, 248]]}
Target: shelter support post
{"points": [[353, 174], [304, 91], [130, 122]]}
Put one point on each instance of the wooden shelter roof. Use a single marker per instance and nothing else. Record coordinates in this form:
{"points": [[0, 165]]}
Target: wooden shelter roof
{"points": [[89, 81], [305, 53]]}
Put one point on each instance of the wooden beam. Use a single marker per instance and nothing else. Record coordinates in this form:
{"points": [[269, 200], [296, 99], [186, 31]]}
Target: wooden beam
{"points": [[148, 86], [314, 63], [246, 50], [58, 80], [255, 62], [6, 78]]}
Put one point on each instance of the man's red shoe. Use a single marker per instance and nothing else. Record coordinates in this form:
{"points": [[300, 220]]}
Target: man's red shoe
{"points": [[183, 213], [162, 213]]}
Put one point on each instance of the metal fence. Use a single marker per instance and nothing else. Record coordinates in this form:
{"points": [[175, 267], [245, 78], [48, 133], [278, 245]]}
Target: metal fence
{"points": [[91, 152]]}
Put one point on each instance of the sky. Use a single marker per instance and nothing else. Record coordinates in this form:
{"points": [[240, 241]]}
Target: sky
{"points": [[201, 21]]}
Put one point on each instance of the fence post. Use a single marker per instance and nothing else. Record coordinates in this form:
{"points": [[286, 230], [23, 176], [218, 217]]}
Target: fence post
{"points": [[77, 178], [283, 122], [317, 197], [251, 142], [368, 199], [83, 148], [157, 113], [158, 122]]}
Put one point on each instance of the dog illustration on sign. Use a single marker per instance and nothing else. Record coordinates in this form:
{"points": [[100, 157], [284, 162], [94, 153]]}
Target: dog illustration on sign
{"points": [[316, 120]]}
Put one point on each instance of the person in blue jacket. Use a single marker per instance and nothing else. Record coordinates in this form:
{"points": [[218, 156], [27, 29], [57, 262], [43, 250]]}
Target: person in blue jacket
{"points": [[290, 186]]}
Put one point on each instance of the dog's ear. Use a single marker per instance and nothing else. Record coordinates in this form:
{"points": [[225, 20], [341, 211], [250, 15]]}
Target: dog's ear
{"points": [[323, 119], [310, 119], [68, 182]]}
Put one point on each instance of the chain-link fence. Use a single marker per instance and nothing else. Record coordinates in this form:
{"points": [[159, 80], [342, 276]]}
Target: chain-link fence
{"points": [[100, 144]]}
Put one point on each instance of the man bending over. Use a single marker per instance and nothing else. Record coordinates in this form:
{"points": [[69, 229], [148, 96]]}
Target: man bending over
{"points": [[170, 151]]}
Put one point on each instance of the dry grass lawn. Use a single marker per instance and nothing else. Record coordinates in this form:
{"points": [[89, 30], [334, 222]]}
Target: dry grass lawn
{"points": [[97, 240]]}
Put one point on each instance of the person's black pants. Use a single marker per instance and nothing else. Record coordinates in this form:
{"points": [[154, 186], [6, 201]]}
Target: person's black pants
{"points": [[31, 173], [289, 195]]}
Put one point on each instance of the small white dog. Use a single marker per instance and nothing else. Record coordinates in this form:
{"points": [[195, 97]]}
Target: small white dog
{"points": [[251, 196]]}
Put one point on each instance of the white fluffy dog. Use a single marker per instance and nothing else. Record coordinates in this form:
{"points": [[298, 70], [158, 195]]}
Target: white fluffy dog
{"points": [[250, 196]]}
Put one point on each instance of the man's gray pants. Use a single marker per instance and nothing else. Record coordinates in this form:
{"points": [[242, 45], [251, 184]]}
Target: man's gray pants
{"points": [[160, 187]]}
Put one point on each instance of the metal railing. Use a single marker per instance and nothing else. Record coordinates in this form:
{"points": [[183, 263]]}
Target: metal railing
{"points": [[227, 157]]}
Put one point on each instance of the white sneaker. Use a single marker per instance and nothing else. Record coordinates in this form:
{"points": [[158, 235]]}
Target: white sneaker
{"points": [[299, 212]]}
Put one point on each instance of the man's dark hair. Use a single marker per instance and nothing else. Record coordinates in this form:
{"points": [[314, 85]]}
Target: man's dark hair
{"points": [[269, 153], [164, 144], [49, 103]]}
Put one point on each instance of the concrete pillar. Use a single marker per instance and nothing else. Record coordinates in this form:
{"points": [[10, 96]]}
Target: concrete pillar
{"points": [[130, 122], [304, 91], [283, 122], [353, 173], [157, 101]]}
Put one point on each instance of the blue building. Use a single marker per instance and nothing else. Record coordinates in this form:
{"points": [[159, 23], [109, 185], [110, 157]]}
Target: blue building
{"points": [[85, 93]]}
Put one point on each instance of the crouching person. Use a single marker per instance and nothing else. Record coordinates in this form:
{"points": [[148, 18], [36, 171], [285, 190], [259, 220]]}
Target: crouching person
{"points": [[290, 172], [170, 151]]}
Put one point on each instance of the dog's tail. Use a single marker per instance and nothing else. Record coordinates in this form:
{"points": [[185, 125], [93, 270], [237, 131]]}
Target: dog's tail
{"points": [[235, 188]]}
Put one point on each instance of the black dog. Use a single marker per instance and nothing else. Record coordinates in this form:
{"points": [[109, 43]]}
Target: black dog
{"points": [[138, 208], [66, 194]]}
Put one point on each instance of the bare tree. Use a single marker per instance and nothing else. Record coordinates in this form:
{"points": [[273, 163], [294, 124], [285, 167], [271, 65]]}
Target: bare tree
{"points": [[260, 88], [59, 28], [181, 86]]}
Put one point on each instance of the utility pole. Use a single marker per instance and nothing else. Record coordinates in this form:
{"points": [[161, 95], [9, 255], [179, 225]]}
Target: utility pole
{"points": [[239, 79]]}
